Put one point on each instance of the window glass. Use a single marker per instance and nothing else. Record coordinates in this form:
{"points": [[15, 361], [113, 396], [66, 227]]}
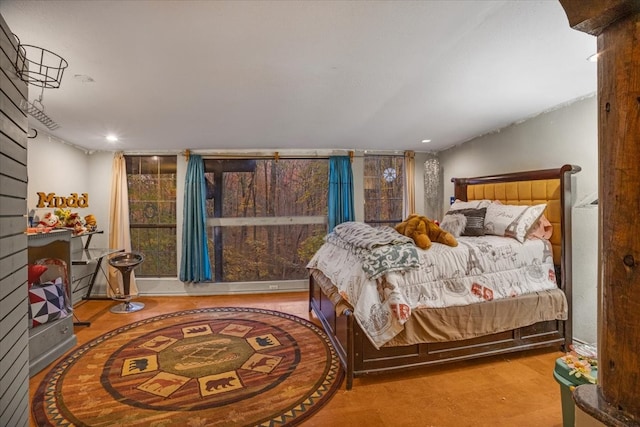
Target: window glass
{"points": [[280, 203], [261, 253], [383, 189], [152, 213]]}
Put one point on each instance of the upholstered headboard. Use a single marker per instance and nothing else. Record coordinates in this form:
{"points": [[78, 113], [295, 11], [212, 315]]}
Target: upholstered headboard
{"points": [[550, 186], [527, 193]]}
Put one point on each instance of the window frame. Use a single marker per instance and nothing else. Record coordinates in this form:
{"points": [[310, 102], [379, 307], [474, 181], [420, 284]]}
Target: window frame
{"points": [[399, 177], [171, 169], [218, 223]]}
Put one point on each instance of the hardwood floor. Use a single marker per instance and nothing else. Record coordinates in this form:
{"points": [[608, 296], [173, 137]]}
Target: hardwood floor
{"points": [[514, 390]]}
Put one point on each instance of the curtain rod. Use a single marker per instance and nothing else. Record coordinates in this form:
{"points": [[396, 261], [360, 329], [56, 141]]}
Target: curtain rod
{"points": [[276, 155]]}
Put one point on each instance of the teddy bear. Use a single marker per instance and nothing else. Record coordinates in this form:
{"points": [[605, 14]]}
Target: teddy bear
{"points": [[423, 231], [90, 222]]}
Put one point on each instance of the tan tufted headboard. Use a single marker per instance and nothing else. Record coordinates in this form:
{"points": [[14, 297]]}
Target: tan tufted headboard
{"points": [[550, 186], [527, 193]]}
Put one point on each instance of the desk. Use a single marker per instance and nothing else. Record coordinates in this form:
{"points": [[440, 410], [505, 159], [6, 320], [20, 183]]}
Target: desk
{"points": [[85, 256]]}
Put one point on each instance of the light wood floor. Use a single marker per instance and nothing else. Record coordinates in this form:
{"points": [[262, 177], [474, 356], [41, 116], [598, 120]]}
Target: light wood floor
{"points": [[514, 390]]}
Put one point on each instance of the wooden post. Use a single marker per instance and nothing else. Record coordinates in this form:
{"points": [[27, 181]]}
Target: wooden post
{"points": [[616, 23]]}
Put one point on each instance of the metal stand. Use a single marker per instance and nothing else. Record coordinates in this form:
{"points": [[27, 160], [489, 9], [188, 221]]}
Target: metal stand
{"points": [[127, 307], [126, 263]]}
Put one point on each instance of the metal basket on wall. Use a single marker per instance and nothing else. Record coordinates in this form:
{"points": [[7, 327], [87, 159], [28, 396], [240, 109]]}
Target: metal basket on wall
{"points": [[40, 67]]}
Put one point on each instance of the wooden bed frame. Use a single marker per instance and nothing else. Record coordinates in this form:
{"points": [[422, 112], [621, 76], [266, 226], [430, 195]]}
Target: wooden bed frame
{"points": [[360, 357]]}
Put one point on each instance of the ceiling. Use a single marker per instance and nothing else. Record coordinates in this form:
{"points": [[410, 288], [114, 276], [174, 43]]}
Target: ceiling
{"points": [[277, 75]]}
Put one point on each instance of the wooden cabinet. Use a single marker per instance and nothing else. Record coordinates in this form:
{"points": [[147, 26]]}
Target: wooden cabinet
{"points": [[51, 340]]}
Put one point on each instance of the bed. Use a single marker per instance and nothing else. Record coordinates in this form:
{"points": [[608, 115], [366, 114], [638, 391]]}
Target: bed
{"points": [[430, 334]]}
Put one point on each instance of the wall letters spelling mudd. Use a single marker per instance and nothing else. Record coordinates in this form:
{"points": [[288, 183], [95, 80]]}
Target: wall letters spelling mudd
{"points": [[51, 200]]}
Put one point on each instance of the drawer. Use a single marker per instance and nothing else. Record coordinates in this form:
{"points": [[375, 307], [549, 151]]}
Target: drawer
{"points": [[47, 338]]}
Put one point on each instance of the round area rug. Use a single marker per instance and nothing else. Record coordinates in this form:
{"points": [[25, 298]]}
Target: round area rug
{"points": [[203, 367]]}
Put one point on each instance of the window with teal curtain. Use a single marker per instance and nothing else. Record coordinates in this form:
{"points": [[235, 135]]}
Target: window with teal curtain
{"points": [[340, 191], [195, 265]]}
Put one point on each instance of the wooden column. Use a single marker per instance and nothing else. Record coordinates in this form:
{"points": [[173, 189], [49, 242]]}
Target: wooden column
{"points": [[616, 23]]}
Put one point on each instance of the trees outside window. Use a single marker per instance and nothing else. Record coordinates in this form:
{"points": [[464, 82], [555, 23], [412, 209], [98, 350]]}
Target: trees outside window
{"points": [[383, 189], [267, 217], [151, 182]]}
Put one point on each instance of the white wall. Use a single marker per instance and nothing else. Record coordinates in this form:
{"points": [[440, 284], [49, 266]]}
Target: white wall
{"points": [[99, 179], [585, 273], [549, 140], [56, 167]]}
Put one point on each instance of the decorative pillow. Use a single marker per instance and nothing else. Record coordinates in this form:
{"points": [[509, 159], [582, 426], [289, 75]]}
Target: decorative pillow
{"points": [[475, 221], [454, 223], [542, 229], [512, 220], [47, 302], [34, 273], [474, 204]]}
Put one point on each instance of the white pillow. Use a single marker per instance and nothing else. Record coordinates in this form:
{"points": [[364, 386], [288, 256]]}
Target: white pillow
{"points": [[512, 220], [454, 223]]}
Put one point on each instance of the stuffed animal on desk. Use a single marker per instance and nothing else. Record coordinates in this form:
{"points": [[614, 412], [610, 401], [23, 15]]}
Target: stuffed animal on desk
{"points": [[49, 220], [91, 223]]}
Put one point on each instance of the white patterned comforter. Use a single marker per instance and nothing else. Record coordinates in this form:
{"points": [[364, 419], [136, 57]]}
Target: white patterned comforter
{"points": [[478, 269]]}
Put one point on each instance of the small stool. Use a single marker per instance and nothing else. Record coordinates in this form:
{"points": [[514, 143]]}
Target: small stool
{"points": [[126, 263]]}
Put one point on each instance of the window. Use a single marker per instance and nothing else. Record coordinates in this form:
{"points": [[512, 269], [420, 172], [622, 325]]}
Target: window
{"points": [[152, 213], [383, 189], [266, 217]]}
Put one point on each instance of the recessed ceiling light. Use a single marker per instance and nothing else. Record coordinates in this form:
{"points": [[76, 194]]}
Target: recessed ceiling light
{"points": [[424, 141], [112, 138]]}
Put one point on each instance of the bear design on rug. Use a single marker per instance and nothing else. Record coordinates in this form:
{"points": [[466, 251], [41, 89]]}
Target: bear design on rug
{"points": [[423, 231]]}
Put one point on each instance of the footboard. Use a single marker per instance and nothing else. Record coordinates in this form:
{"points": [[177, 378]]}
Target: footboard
{"points": [[339, 329]]}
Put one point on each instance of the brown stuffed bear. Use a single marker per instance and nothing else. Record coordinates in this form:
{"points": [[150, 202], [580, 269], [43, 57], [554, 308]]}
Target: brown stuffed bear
{"points": [[90, 222], [423, 231]]}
